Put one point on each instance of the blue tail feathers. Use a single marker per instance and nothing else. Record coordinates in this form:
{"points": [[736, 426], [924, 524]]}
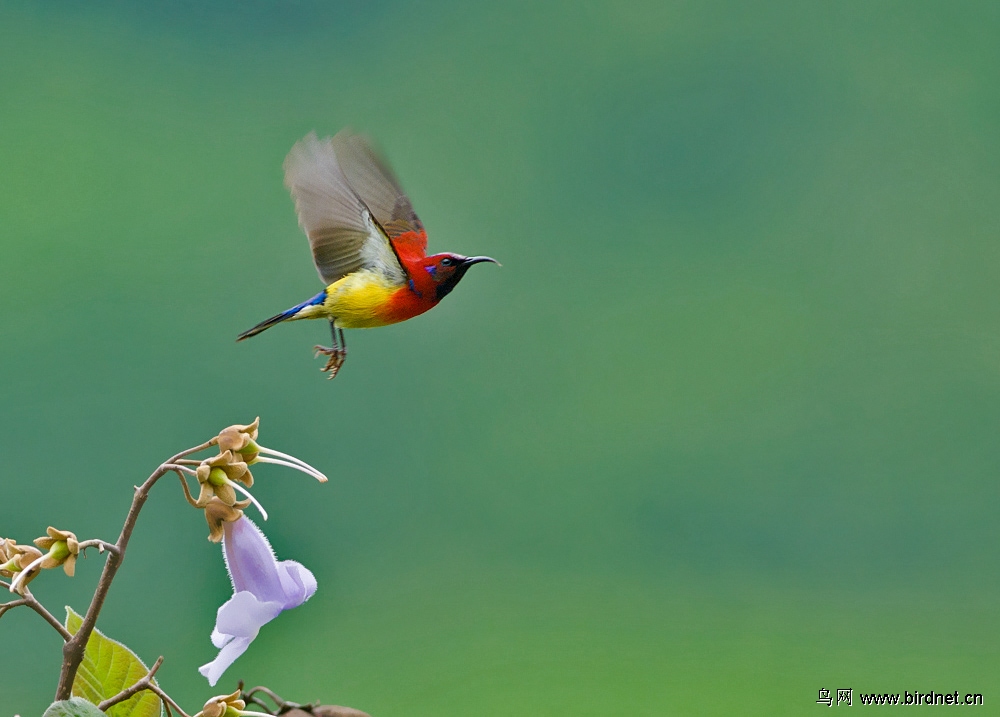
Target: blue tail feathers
{"points": [[283, 316]]}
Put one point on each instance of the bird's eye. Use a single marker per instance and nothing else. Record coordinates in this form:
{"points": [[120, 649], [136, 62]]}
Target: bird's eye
{"points": [[447, 261]]}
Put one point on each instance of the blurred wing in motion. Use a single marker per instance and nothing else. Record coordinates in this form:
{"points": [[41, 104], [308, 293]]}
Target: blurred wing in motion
{"points": [[344, 230], [373, 180]]}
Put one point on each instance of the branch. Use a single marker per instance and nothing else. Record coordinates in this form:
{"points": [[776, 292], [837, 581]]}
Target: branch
{"points": [[143, 684], [179, 468], [281, 705], [101, 545], [4, 607], [146, 683], [46, 615], [29, 600], [251, 697], [74, 647], [167, 701], [187, 491]]}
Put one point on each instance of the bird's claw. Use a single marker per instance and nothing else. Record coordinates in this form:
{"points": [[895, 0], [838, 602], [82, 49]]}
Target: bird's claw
{"points": [[337, 357]]}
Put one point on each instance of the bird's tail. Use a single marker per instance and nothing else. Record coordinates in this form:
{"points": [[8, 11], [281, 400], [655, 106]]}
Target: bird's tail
{"points": [[296, 312]]}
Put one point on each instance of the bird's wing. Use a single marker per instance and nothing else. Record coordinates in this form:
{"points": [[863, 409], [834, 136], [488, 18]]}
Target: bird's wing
{"points": [[344, 232], [372, 178]]}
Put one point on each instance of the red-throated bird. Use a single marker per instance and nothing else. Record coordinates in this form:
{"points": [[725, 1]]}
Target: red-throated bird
{"points": [[367, 243]]}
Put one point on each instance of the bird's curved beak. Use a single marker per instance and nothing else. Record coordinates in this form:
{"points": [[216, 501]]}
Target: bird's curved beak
{"points": [[469, 261]]}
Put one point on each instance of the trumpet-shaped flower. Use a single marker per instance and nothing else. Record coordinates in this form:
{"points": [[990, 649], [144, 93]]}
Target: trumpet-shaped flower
{"points": [[263, 587]]}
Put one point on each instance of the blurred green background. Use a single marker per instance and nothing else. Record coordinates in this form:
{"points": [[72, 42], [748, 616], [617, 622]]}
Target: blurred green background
{"points": [[720, 433]]}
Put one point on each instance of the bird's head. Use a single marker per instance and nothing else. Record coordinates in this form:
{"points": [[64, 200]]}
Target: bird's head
{"points": [[446, 270]]}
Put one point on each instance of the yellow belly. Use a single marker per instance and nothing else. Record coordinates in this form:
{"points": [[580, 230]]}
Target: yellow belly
{"points": [[359, 300]]}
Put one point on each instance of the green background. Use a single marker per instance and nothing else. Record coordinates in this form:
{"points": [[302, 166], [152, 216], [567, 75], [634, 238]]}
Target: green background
{"points": [[720, 433]]}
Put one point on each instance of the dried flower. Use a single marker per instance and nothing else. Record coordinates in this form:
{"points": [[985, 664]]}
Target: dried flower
{"points": [[7, 551], [222, 476], [240, 439], [22, 562], [63, 549], [262, 589], [223, 706], [218, 475], [218, 512]]}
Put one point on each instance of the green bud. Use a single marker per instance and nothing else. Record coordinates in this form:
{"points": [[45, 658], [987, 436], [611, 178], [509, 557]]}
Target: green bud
{"points": [[59, 551]]}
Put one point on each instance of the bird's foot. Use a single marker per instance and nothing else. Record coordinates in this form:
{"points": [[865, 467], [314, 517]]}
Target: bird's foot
{"points": [[337, 357]]}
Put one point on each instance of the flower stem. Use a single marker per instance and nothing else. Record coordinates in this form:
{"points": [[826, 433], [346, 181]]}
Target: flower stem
{"points": [[187, 491]]}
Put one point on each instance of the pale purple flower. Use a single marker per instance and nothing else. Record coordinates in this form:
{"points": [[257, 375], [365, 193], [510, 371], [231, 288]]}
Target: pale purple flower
{"points": [[262, 589]]}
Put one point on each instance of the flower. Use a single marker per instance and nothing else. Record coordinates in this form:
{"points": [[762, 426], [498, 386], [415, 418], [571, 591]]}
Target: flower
{"points": [[223, 706], [262, 589], [223, 475], [22, 562], [240, 439], [218, 513], [218, 475], [7, 552], [63, 548]]}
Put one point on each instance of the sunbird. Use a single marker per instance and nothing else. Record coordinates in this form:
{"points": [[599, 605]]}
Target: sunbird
{"points": [[368, 244]]}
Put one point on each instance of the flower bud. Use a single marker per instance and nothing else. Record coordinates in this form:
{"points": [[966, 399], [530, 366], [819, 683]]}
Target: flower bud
{"points": [[223, 706], [240, 439], [6, 550], [18, 558], [216, 475], [63, 549]]}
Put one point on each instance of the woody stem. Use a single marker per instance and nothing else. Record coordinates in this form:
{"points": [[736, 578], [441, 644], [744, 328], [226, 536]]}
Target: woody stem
{"points": [[74, 647], [101, 545], [29, 600]]}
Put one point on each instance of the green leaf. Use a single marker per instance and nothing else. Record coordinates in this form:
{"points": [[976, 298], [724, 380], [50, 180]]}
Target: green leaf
{"points": [[76, 707], [109, 667]]}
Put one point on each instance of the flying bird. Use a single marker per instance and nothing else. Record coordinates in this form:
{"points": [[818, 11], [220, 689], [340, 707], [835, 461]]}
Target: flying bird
{"points": [[368, 244]]}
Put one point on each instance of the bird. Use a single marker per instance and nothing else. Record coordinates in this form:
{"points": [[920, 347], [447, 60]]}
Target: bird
{"points": [[368, 245]]}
